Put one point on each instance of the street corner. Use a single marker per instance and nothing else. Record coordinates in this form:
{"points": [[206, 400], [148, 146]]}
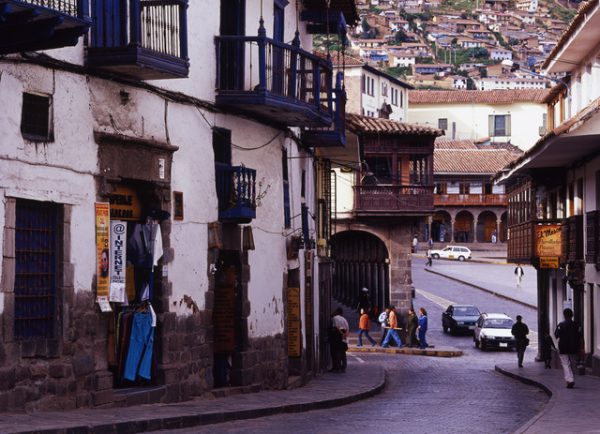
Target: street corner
{"points": [[431, 351]]}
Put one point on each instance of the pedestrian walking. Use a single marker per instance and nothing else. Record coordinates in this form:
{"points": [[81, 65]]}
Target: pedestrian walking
{"points": [[412, 324], [429, 262], [430, 243], [393, 329], [569, 335], [342, 325], [363, 300], [548, 348], [363, 328], [520, 331], [519, 273], [415, 244], [422, 330], [384, 323]]}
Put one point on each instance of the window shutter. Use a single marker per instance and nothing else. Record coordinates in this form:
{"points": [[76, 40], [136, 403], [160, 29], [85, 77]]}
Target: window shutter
{"points": [[491, 125], [507, 118]]}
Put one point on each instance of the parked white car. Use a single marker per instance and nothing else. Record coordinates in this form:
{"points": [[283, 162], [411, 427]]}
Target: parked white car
{"points": [[452, 252], [493, 330]]}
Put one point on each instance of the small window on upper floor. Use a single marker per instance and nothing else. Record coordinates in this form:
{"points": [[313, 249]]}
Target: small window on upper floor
{"points": [[443, 124], [36, 117], [384, 89]]}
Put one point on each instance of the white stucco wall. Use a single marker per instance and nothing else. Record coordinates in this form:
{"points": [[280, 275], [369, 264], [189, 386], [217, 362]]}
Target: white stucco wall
{"points": [[472, 120]]}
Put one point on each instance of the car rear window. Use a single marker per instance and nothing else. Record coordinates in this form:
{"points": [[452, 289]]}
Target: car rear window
{"points": [[466, 311], [498, 323]]}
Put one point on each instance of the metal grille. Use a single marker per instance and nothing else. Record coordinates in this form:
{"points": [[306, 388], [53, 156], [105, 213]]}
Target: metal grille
{"points": [[35, 116], [36, 251], [69, 7]]}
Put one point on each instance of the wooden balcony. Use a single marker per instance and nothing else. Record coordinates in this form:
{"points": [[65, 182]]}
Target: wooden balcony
{"points": [[273, 81], [334, 135], [236, 191], [470, 200], [143, 39], [28, 25], [392, 200]]}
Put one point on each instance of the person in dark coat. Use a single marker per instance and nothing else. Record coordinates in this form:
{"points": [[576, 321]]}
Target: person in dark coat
{"points": [[412, 324], [520, 332], [547, 350], [569, 338]]}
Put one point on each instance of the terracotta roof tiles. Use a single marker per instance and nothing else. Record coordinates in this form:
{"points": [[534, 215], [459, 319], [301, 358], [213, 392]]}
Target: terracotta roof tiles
{"points": [[363, 124], [471, 161], [477, 96]]}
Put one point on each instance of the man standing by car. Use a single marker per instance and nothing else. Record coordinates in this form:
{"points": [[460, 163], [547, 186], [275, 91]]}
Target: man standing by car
{"points": [[520, 331], [569, 336]]}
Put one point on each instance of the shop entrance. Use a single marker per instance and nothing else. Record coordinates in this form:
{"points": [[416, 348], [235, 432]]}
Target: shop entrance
{"points": [[227, 312]]}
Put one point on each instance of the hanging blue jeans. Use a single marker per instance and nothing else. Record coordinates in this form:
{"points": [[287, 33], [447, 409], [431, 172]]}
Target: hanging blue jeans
{"points": [[139, 356]]}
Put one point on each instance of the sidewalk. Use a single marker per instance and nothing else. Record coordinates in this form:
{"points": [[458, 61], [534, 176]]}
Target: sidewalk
{"points": [[329, 390]]}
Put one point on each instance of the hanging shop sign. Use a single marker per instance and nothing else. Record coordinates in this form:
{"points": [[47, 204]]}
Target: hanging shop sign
{"points": [[548, 241], [549, 262], [294, 332], [125, 204], [118, 260], [102, 249]]}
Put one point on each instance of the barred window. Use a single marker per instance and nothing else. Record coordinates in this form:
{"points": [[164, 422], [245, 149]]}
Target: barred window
{"points": [[36, 265]]}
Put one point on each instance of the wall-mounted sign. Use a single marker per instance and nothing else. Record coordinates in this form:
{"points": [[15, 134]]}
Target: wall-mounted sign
{"points": [[125, 204], [102, 249], [118, 259], [548, 241], [548, 262], [294, 331]]}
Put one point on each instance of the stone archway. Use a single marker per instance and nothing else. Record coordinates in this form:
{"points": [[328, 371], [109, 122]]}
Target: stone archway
{"points": [[441, 227], [361, 260], [463, 227], [486, 226]]}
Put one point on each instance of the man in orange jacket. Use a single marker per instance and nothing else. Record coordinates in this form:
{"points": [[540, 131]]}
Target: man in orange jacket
{"points": [[363, 328], [393, 331]]}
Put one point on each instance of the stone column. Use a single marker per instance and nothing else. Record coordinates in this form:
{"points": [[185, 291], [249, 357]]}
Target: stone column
{"points": [[474, 229], [452, 230], [401, 288]]}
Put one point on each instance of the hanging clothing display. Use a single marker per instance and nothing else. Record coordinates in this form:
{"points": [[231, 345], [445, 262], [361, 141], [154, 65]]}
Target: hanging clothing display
{"points": [[144, 250], [139, 354]]}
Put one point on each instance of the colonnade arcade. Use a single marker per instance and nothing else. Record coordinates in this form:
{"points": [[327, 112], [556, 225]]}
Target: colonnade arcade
{"points": [[468, 226]]}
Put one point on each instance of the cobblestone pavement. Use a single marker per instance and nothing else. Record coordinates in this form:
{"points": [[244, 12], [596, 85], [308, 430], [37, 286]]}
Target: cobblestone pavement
{"points": [[424, 394]]}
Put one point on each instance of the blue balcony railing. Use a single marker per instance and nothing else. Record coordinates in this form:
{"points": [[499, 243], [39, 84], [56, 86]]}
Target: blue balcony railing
{"points": [[27, 25], [335, 134], [144, 39], [236, 192], [274, 81]]}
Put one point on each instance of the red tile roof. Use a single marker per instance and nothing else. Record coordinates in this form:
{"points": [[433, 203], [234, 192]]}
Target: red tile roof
{"points": [[363, 124], [471, 161], [477, 96]]}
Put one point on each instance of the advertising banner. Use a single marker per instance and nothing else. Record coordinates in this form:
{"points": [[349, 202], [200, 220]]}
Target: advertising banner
{"points": [[102, 249], [118, 259], [548, 241], [294, 331]]}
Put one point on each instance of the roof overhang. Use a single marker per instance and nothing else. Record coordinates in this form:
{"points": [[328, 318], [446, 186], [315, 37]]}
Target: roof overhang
{"points": [[573, 142], [577, 42]]}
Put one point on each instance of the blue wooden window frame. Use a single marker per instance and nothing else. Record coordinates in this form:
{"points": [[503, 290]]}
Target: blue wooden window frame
{"points": [[36, 265]]}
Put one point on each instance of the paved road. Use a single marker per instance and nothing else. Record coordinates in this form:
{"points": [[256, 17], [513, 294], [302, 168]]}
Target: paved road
{"points": [[424, 394]]}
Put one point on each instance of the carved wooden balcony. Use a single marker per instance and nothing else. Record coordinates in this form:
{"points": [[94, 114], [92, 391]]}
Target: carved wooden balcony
{"points": [[392, 200], [143, 39], [28, 25], [470, 200], [273, 81], [236, 191], [522, 240]]}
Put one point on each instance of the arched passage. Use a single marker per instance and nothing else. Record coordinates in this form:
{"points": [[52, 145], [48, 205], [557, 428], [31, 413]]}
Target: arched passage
{"points": [[463, 227], [360, 260], [440, 226], [486, 226]]}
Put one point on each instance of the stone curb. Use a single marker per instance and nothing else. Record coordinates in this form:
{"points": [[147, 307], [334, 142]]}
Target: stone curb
{"points": [[523, 428], [497, 294], [409, 351], [189, 421]]}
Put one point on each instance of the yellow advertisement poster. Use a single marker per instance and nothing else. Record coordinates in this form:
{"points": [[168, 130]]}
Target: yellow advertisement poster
{"points": [[294, 332], [546, 262], [548, 241], [102, 249]]}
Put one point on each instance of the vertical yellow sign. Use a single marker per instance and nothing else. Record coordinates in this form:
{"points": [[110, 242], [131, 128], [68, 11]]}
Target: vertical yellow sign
{"points": [[102, 249]]}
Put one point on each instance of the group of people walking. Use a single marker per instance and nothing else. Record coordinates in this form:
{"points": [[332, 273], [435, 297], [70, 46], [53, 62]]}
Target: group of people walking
{"points": [[416, 333], [570, 342]]}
